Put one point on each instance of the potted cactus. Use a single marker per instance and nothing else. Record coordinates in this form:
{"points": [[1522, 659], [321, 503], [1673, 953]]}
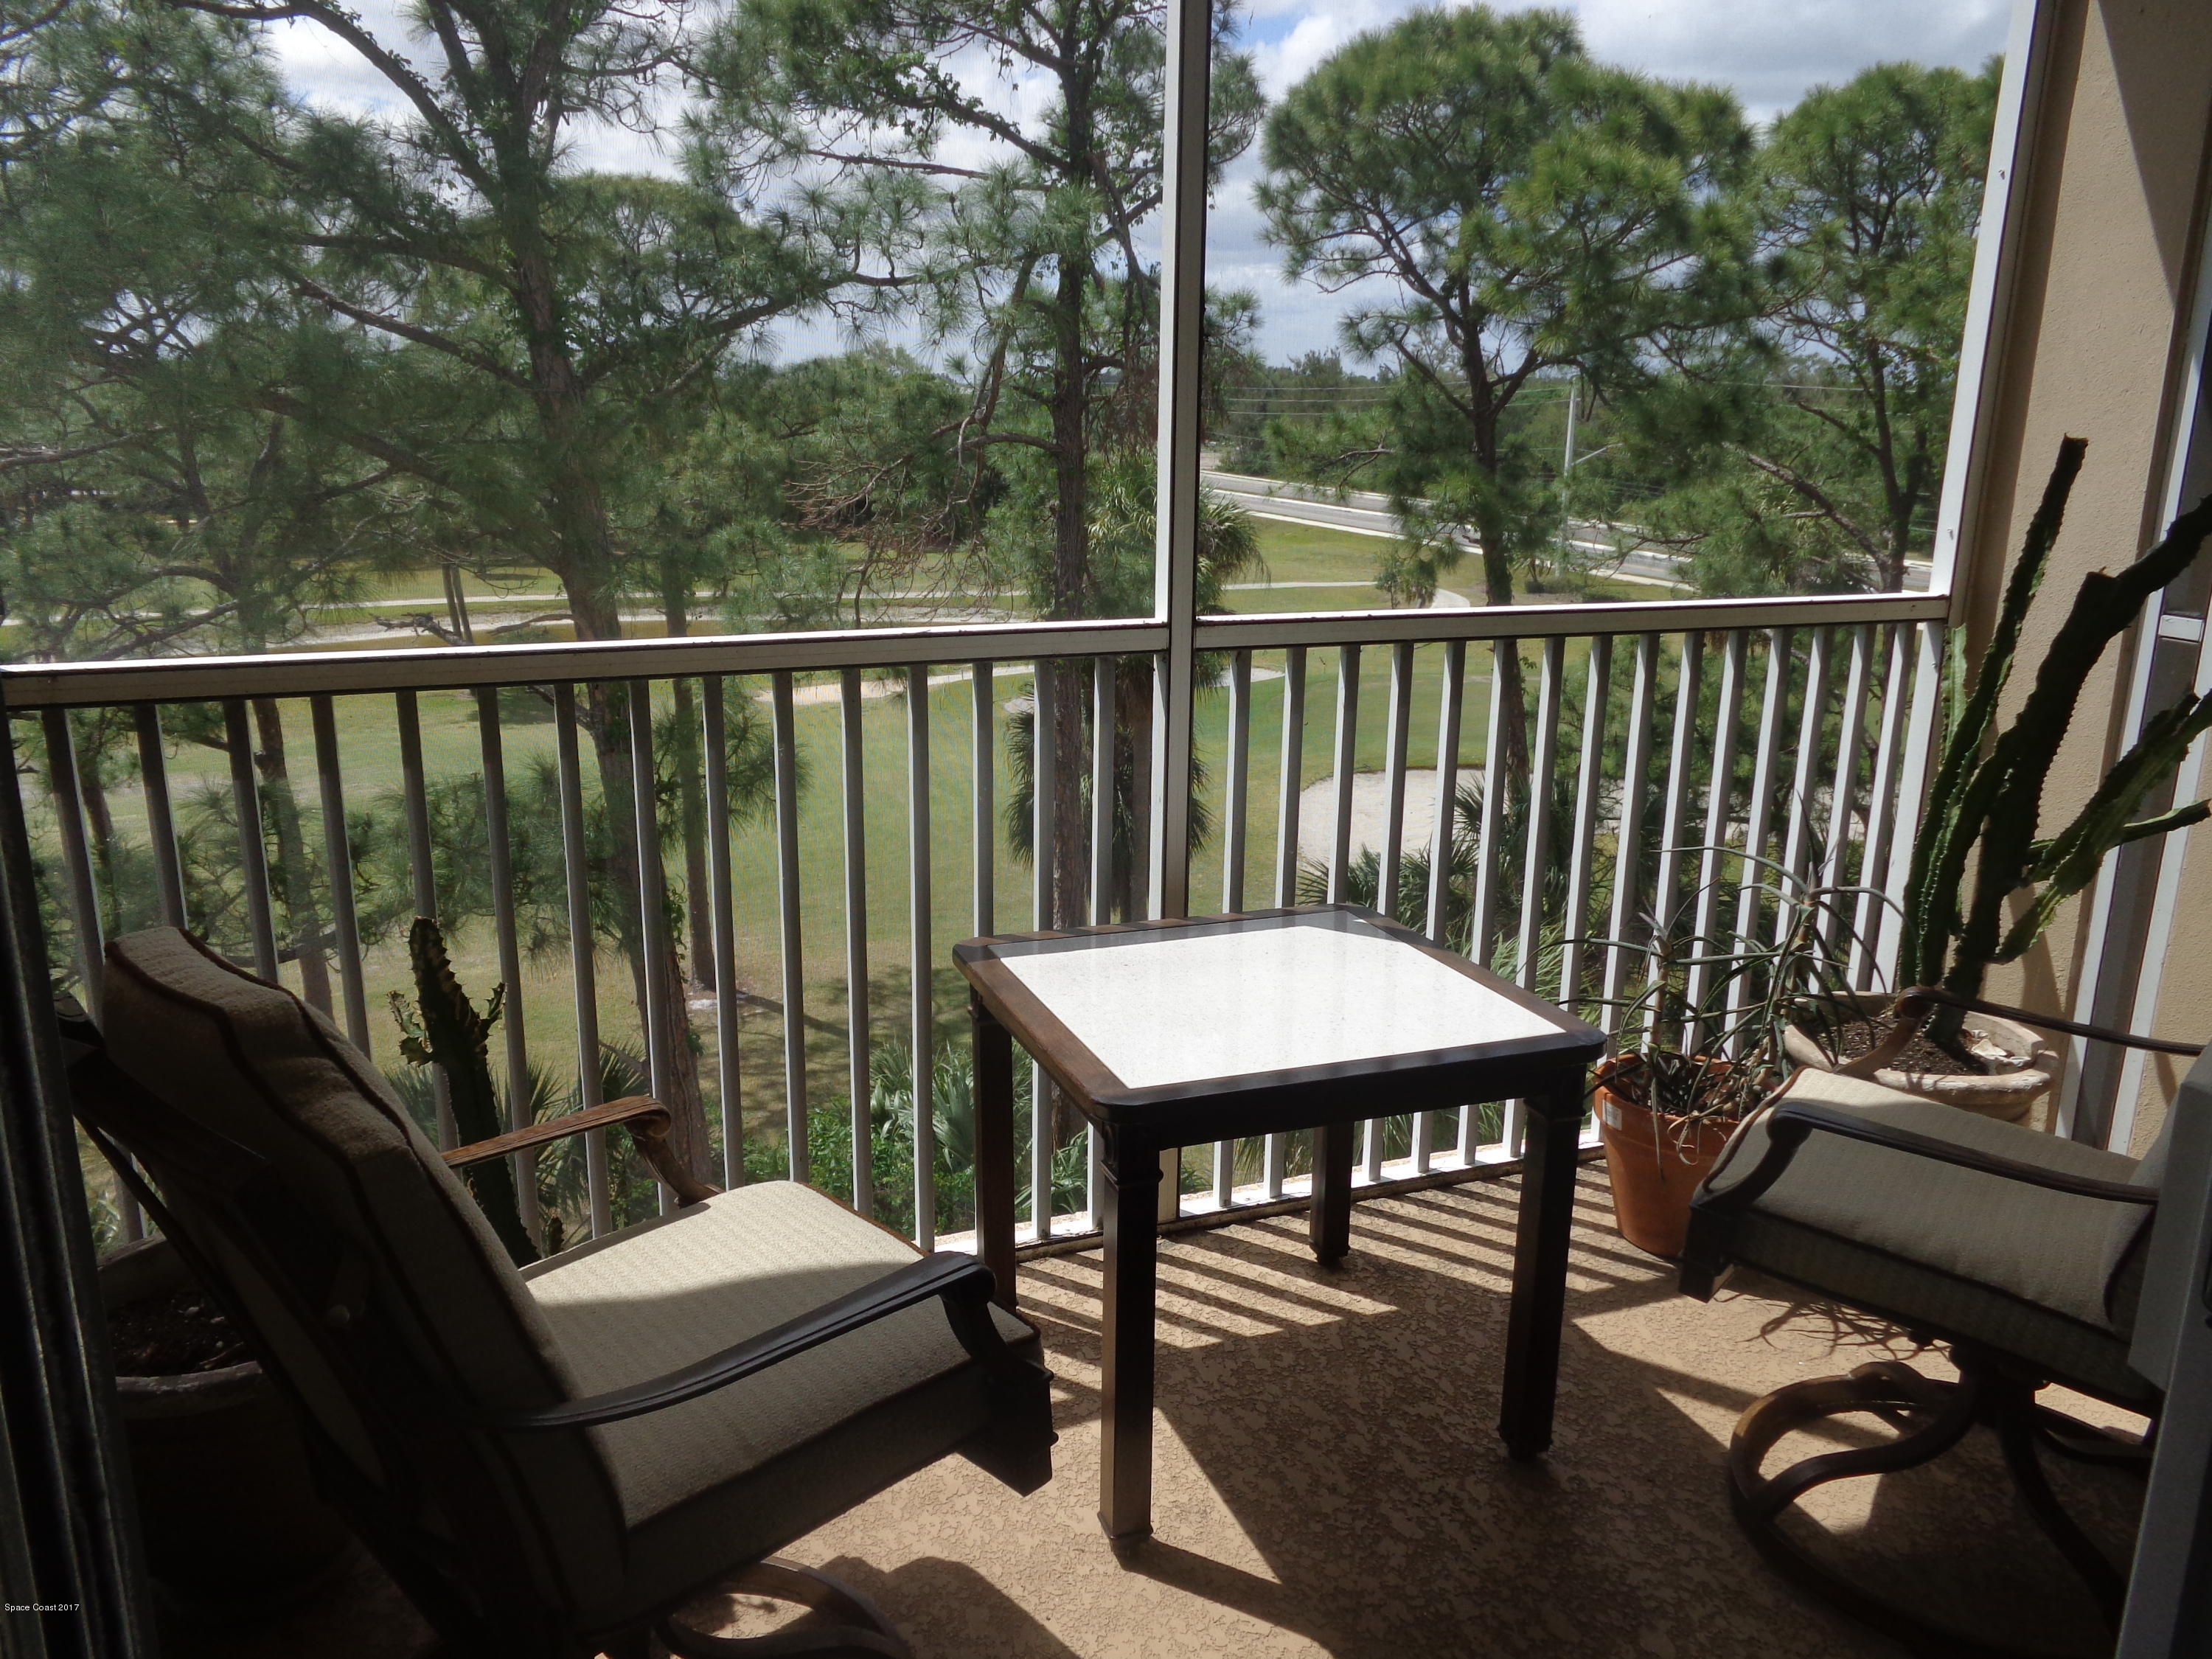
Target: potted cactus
{"points": [[1985, 878]]}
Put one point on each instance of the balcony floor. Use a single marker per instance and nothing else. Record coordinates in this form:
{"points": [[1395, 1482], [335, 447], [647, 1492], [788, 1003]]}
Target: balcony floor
{"points": [[1330, 1481]]}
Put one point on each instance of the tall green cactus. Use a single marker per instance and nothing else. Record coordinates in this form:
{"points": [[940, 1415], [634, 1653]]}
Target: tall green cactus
{"points": [[444, 1029], [1987, 798]]}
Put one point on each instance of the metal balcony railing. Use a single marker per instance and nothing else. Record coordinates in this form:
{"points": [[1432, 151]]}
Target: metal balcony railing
{"points": [[1667, 741]]}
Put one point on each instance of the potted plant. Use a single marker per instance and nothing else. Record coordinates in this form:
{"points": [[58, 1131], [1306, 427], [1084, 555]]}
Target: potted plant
{"points": [[227, 1507], [1701, 1042], [1986, 881]]}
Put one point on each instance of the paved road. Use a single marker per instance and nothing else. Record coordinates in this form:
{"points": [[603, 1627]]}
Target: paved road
{"points": [[1364, 513]]}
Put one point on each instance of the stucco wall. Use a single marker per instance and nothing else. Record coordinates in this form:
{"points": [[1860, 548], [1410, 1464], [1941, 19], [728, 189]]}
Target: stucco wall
{"points": [[2091, 344]]}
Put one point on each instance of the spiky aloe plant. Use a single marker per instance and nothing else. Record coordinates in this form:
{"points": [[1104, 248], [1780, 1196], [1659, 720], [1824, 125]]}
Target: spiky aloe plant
{"points": [[443, 1028], [1986, 804]]}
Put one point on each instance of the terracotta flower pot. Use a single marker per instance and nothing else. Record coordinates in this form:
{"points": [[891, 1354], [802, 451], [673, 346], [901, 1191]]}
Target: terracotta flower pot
{"points": [[1655, 1161], [228, 1512], [2023, 1065]]}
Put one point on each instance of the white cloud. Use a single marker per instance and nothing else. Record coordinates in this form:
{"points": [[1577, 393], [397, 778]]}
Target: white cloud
{"points": [[1773, 51]]}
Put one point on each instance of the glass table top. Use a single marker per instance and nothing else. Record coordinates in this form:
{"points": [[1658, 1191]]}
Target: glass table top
{"points": [[1324, 989]]}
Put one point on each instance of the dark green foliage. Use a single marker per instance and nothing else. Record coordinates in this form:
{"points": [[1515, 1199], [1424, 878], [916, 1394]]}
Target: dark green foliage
{"points": [[1518, 211], [1800, 449], [1986, 803]]}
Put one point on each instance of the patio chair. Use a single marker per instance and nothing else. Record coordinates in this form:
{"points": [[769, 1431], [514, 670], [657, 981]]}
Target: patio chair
{"points": [[550, 1462], [2022, 1253]]}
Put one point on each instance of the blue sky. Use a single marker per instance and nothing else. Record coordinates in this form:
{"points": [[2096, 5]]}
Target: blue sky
{"points": [[1769, 51]]}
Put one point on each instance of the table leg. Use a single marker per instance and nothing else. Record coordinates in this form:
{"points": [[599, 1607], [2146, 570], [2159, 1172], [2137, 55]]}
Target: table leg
{"points": [[994, 1147], [1132, 1229], [1330, 1221], [1540, 1267]]}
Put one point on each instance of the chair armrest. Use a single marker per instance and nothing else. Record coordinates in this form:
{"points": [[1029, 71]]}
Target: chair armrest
{"points": [[1793, 1122], [1925, 995], [962, 1283], [648, 1120]]}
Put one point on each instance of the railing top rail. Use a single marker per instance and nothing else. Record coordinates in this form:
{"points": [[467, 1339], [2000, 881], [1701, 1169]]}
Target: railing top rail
{"points": [[1539, 621], [302, 673], [293, 674]]}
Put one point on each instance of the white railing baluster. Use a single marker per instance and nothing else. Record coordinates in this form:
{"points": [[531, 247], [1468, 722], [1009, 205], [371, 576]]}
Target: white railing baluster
{"points": [[421, 870], [1445, 820], [253, 849], [575, 863], [513, 1022], [1291, 779], [783, 735], [1398, 722], [1919, 753], [1871, 912], [729, 1071], [1289, 796], [160, 813], [1537, 848], [1582, 847], [859, 1083], [76, 859], [1044, 784], [1237, 800], [1489, 855], [1490, 852], [1759, 808], [1103, 736], [84, 908], [983, 796], [338, 855], [1394, 772], [1843, 783], [1720, 791], [1681, 770], [660, 1018], [1348, 757], [1234, 815], [1628, 833], [1437, 906], [922, 962], [1812, 726]]}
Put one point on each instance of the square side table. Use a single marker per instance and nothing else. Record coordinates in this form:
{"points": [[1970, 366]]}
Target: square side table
{"points": [[1177, 1033]]}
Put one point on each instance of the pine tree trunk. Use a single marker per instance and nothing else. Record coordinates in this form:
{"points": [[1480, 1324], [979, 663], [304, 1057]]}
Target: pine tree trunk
{"points": [[597, 616]]}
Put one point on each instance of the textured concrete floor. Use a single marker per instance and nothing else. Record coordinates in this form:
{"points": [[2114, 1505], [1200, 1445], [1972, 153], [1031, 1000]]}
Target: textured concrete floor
{"points": [[1328, 1479]]}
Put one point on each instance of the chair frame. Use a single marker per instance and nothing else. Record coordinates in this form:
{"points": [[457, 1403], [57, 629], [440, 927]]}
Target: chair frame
{"points": [[476, 1587], [1995, 1389]]}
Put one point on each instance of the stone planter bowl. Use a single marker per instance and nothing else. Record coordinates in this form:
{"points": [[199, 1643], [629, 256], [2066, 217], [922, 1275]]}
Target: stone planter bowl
{"points": [[227, 1509], [2025, 1065]]}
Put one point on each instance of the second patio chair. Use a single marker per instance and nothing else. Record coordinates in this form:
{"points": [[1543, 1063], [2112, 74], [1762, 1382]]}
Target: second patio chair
{"points": [[2022, 1253]]}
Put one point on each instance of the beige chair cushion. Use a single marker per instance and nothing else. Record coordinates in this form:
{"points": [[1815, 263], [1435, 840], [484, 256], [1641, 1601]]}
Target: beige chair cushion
{"points": [[2038, 1273], [741, 1472], [252, 1062], [656, 1297]]}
